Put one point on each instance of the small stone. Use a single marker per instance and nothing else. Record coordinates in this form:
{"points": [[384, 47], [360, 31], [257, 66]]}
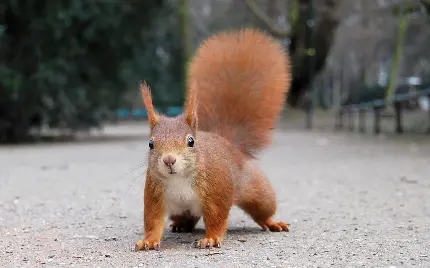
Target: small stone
{"points": [[86, 236]]}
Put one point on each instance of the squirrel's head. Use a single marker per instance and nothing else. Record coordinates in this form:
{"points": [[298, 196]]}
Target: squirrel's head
{"points": [[172, 141]]}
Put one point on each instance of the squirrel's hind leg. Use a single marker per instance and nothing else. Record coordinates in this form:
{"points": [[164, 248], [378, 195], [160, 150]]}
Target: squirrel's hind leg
{"points": [[258, 199], [183, 223]]}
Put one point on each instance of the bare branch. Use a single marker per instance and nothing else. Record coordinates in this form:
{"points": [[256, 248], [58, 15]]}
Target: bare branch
{"points": [[272, 27]]}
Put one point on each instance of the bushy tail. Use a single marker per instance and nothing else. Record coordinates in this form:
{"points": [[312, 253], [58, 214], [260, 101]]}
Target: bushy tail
{"points": [[241, 80]]}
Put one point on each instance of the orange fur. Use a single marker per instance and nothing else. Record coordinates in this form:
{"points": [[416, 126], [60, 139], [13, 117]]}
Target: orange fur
{"points": [[238, 82], [242, 79], [257, 198], [155, 211], [152, 114], [191, 109], [215, 190]]}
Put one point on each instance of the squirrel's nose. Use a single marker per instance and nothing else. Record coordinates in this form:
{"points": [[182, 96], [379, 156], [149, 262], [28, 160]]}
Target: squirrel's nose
{"points": [[169, 160]]}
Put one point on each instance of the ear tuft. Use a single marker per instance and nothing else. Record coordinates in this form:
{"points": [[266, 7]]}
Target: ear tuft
{"points": [[153, 116], [191, 107]]}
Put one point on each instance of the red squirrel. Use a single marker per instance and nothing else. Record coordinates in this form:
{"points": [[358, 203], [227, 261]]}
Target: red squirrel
{"points": [[200, 163]]}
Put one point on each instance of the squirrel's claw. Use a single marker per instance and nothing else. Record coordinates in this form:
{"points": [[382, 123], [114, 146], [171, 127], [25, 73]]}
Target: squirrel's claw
{"points": [[275, 226], [207, 243], [147, 245], [175, 228]]}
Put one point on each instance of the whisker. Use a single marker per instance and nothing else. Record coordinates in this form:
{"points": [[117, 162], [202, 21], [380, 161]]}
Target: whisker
{"points": [[135, 180], [133, 169]]}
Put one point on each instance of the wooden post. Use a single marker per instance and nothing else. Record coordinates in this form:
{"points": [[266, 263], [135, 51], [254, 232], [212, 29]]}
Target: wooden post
{"points": [[336, 83], [377, 121], [362, 121], [339, 119], [350, 120], [428, 130], [398, 112]]}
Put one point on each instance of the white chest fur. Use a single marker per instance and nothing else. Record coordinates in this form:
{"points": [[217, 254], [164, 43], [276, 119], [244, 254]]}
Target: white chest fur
{"points": [[181, 196]]}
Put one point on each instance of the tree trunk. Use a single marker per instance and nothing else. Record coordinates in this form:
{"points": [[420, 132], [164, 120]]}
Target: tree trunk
{"points": [[186, 37], [324, 30]]}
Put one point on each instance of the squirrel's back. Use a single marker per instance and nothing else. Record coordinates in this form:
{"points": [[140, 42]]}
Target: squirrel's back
{"points": [[241, 79]]}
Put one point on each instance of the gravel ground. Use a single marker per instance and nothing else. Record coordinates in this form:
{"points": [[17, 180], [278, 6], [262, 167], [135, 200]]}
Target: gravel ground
{"points": [[351, 201]]}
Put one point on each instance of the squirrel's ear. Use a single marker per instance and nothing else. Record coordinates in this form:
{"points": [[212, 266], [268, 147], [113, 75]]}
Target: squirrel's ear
{"points": [[191, 107], [153, 116]]}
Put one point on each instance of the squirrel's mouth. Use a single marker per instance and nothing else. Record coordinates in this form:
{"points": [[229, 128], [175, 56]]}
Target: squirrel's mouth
{"points": [[171, 171]]}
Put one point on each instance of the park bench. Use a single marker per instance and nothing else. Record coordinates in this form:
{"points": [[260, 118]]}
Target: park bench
{"points": [[378, 106]]}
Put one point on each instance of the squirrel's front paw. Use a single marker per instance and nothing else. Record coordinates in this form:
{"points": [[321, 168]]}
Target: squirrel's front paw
{"points": [[147, 245], [208, 242]]}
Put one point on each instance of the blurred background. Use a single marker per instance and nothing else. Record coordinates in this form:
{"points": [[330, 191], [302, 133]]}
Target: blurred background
{"points": [[73, 65]]}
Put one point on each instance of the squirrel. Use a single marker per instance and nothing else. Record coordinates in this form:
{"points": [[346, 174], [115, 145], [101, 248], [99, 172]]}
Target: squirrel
{"points": [[200, 163]]}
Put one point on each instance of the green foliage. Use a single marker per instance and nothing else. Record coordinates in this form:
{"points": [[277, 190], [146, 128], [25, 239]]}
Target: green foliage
{"points": [[411, 7], [68, 64]]}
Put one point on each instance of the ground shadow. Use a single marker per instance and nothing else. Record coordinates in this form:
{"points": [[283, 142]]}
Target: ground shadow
{"points": [[179, 240]]}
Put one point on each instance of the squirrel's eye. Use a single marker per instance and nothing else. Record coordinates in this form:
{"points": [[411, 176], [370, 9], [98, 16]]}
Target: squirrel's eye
{"points": [[190, 141], [151, 144]]}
